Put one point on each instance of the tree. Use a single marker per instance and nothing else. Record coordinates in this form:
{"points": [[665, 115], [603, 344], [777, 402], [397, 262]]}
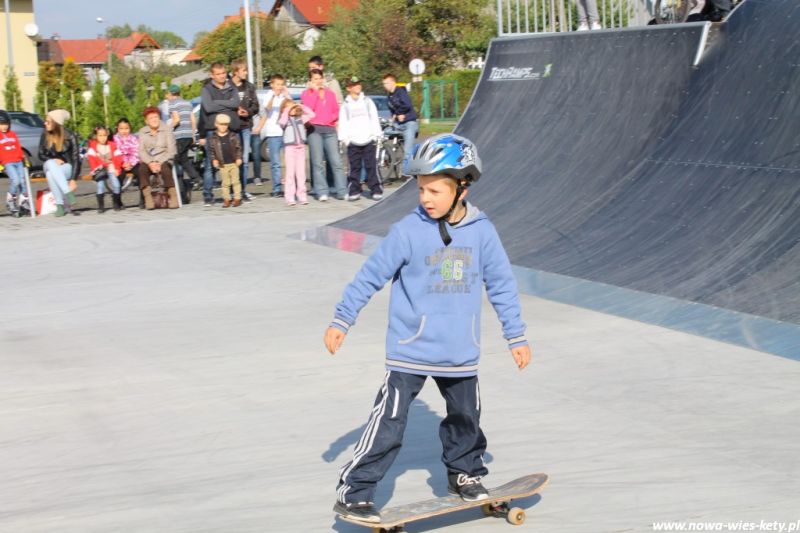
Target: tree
{"points": [[157, 92], [47, 87], [374, 38], [118, 104], [73, 83], [94, 114], [279, 51], [11, 93], [463, 28], [140, 98]]}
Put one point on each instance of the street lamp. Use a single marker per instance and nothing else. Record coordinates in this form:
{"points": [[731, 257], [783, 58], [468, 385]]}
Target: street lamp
{"points": [[101, 20]]}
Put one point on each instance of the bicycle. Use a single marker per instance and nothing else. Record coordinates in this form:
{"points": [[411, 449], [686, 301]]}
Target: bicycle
{"points": [[672, 11], [390, 153]]}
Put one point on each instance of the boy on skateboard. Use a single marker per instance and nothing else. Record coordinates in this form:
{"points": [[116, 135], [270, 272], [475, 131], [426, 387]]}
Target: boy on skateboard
{"points": [[438, 258]]}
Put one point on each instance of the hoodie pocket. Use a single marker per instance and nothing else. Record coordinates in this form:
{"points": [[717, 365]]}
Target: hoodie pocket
{"points": [[416, 335], [475, 340]]}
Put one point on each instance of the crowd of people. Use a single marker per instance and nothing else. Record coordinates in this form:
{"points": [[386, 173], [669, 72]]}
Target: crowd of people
{"points": [[232, 123]]}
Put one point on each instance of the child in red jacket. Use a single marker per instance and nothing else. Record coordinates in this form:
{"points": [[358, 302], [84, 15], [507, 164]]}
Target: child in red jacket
{"points": [[12, 163], [105, 160]]}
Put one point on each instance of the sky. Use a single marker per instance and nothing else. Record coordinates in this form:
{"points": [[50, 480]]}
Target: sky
{"points": [[77, 19]]}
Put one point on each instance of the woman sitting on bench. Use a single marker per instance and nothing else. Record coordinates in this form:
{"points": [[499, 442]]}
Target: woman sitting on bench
{"points": [[156, 152]]}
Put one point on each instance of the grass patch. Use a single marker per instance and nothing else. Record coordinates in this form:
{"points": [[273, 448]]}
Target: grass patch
{"points": [[436, 127]]}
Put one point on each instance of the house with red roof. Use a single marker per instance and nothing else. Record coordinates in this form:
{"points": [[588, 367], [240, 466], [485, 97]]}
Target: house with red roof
{"points": [[93, 53], [302, 18], [307, 18]]}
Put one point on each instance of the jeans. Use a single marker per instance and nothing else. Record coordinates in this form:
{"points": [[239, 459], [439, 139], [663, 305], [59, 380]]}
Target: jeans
{"points": [[246, 137], [208, 171], [113, 183], [183, 162], [16, 178], [255, 149], [322, 147], [409, 131], [587, 11], [57, 179], [275, 145]]}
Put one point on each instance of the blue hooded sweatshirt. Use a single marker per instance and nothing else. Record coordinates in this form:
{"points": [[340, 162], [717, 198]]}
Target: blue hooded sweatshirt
{"points": [[435, 305]]}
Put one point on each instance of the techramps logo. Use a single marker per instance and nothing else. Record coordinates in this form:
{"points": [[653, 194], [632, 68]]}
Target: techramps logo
{"points": [[520, 73]]}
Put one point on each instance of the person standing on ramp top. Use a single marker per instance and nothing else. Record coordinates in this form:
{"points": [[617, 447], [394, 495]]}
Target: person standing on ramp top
{"points": [[439, 258]]}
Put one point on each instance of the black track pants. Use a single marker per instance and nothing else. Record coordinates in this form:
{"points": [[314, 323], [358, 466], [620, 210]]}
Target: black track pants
{"points": [[463, 442]]}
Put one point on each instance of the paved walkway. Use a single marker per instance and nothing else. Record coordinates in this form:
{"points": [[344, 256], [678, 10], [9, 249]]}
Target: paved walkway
{"points": [[164, 372]]}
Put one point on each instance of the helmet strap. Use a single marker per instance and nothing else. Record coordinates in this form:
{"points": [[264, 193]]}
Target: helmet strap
{"points": [[446, 238]]}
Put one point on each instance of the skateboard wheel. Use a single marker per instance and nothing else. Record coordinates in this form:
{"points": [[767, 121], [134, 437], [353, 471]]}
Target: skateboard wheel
{"points": [[516, 516]]}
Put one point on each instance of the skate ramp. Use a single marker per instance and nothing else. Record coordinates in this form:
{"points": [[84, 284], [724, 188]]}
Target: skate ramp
{"points": [[624, 178]]}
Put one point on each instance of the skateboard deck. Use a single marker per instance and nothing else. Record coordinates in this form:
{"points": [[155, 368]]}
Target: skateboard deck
{"points": [[394, 518]]}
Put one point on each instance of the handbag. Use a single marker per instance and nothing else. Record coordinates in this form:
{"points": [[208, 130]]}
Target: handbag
{"points": [[45, 202], [100, 174], [160, 199]]}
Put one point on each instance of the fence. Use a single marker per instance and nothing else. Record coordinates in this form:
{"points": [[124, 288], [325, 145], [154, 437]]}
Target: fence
{"points": [[541, 16]]}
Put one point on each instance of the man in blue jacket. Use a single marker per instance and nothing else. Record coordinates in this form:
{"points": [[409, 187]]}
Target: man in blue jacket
{"points": [[439, 258], [402, 108]]}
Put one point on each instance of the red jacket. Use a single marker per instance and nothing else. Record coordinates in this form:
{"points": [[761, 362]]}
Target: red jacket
{"points": [[95, 161], [10, 149]]}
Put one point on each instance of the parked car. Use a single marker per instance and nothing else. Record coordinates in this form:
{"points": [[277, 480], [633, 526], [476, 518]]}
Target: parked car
{"points": [[29, 128], [382, 103]]}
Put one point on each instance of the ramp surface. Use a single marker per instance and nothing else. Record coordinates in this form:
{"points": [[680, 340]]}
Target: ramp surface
{"points": [[610, 159]]}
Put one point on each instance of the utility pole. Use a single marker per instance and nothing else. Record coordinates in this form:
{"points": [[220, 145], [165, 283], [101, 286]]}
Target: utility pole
{"points": [[259, 67], [10, 43], [249, 42]]}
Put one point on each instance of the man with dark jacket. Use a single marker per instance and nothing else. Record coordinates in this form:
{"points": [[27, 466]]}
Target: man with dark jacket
{"points": [[218, 96], [248, 108], [405, 118]]}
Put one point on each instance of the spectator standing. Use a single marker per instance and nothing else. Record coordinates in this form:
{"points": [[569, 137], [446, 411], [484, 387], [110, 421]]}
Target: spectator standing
{"points": [[248, 109], [293, 119], [588, 17], [323, 142], [128, 144], [12, 162], [184, 125], [330, 81], [218, 96], [60, 152], [403, 113], [225, 152], [269, 129], [359, 130], [105, 161], [156, 152]]}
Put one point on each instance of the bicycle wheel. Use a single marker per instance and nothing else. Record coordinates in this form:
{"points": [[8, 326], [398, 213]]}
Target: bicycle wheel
{"points": [[386, 163], [672, 11]]}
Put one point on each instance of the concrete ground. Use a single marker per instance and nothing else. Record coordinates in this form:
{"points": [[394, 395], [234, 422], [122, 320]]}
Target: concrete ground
{"points": [[164, 371]]}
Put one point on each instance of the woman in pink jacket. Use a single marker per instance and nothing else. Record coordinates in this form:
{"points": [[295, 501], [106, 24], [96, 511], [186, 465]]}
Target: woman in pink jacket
{"points": [[323, 141]]}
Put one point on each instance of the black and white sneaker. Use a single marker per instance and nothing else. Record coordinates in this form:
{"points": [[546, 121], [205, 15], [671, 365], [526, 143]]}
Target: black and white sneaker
{"points": [[364, 511], [469, 488]]}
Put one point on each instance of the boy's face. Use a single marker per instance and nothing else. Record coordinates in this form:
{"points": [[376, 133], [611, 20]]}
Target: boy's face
{"points": [[222, 129], [436, 194], [389, 84], [354, 90], [4, 127], [241, 73], [277, 85]]}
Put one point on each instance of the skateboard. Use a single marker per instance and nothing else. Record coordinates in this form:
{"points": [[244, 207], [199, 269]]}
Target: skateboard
{"points": [[393, 519]]}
